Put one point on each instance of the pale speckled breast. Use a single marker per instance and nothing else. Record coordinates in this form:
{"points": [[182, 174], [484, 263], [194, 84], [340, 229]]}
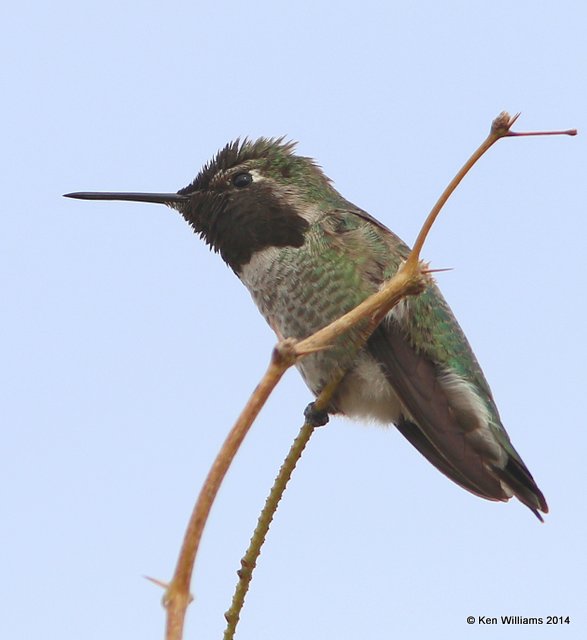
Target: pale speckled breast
{"points": [[298, 294]]}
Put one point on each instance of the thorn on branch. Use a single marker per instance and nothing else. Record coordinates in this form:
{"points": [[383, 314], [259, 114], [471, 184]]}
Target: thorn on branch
{"points": [[159, 583], [439, 270]]}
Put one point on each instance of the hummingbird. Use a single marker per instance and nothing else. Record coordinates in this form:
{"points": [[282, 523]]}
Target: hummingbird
{"points": [[307, 256]]}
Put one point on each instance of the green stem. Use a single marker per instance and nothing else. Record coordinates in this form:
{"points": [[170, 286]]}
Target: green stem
{"points": [[249, 560]]}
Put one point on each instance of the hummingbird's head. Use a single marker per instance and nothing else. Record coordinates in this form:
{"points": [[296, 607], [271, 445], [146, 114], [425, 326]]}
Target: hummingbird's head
{"points": [[253, 195], [250, 196]]}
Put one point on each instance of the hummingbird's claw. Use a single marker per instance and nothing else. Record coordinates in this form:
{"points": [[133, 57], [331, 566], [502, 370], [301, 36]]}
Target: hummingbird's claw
{"points": [[315, 417]]}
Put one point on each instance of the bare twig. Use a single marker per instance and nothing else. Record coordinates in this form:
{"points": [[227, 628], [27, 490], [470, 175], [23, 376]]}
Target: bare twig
{"points": [[177, 596]]}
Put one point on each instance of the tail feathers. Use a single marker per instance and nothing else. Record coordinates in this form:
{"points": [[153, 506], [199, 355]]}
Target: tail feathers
{"points": [[515, 475], [520, 480]]}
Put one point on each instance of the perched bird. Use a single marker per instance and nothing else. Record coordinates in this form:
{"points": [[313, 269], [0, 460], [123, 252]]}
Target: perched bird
{"points": [[307, 256]]}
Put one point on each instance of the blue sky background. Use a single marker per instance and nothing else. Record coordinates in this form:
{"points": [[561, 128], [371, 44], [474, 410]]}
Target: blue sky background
{"points": [[127, 349]]}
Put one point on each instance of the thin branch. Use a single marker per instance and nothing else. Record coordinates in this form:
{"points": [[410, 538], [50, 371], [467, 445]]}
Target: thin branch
{"points": [[500, 128], [177, 596], [249, 560]]}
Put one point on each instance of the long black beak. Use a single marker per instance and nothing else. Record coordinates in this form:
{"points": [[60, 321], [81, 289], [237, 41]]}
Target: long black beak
{"points": [[159, 198]]}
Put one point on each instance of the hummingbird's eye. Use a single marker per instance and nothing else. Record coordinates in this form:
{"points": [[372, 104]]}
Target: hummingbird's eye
{"points": [[242, 180]]}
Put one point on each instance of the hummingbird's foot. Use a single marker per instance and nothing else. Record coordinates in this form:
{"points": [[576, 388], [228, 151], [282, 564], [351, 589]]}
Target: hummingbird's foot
{"points": [[315, 417]]}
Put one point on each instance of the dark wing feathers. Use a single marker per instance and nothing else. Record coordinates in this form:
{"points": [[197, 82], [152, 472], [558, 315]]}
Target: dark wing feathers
{"points": [[432, 425], [441, 439], [416, 438], [435, 431]]}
